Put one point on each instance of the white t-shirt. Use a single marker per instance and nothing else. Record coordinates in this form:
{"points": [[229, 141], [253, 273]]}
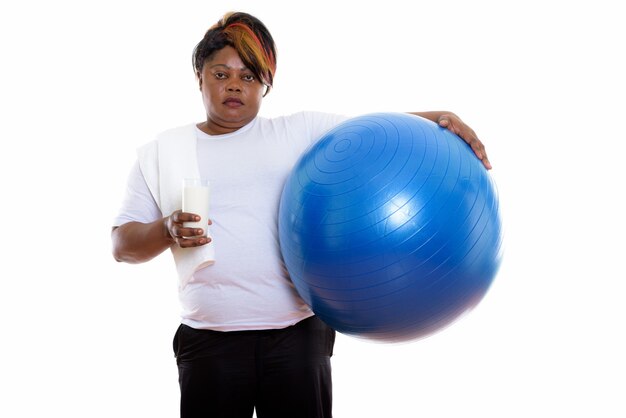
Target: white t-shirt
{"points": [[248, 287]]}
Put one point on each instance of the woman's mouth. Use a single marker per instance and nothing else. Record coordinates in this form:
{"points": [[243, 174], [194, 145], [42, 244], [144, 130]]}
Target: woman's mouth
{"points": [[233, 102]]}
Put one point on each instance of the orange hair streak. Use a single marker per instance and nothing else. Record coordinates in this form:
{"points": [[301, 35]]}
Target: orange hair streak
{"points": [[249, 46]]}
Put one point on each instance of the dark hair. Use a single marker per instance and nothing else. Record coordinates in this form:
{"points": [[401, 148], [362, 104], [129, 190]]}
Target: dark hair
{"points": [[250, 38]]}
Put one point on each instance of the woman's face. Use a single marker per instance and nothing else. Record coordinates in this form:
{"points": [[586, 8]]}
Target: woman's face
{"points": [[231, 93]]}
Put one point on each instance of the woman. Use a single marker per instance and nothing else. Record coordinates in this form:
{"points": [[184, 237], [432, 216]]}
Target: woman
{"points": [[246, 339]]}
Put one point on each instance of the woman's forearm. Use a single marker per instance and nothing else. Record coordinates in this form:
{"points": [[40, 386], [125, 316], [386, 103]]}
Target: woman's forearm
{"points": [[136, 242], [432, 115]]}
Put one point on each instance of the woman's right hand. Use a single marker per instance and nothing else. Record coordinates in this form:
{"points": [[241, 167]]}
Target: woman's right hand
{"points": [[183, 236]]}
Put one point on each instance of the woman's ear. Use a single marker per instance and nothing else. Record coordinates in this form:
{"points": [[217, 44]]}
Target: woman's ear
{"points": [[199, 77]]}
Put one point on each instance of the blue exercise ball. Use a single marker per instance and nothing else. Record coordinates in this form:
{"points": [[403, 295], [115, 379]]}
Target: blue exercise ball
{"points": [[389, 227]]}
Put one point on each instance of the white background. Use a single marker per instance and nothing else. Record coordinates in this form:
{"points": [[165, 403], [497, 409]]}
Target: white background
{"points": [[542, 82]]}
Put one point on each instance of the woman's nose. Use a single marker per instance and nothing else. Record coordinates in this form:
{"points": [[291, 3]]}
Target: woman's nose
{"points": [[234, 85]]}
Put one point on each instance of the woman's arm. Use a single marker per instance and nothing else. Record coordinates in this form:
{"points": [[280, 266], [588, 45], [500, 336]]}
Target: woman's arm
{"points": [[453, 123], [137, 242]]}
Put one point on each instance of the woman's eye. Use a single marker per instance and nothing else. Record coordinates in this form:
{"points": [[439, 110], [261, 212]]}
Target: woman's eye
{"points": [[248, 77], [220, 76]]}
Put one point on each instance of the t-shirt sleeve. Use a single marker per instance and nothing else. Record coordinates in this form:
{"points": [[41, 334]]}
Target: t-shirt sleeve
{"points": [[138, 204], [319, 123]]}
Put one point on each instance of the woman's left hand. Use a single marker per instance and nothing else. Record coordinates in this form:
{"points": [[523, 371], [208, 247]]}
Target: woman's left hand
{"points": [[455, 125]]}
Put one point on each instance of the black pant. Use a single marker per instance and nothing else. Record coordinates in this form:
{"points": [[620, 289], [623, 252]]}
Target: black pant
{"points": [[281, 373]]}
